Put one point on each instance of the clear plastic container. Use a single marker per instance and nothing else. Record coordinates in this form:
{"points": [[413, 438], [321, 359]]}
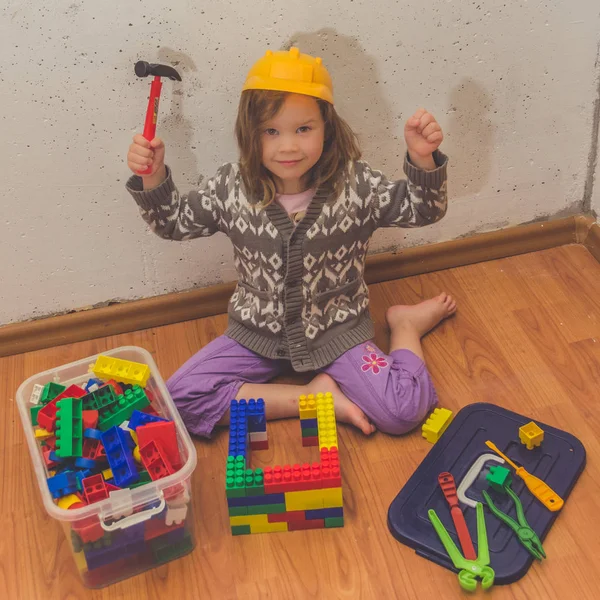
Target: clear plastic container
{"points": [[132, 530]]}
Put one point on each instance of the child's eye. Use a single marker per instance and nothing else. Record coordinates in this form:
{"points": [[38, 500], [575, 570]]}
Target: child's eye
{"points": [[303, 129], [271, 131]]}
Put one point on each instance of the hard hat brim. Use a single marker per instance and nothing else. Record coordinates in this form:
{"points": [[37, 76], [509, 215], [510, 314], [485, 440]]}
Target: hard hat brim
{"points": [[294, 87]]}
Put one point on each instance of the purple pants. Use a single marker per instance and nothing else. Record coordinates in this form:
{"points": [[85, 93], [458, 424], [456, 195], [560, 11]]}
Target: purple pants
{"points": [[395, 391]]}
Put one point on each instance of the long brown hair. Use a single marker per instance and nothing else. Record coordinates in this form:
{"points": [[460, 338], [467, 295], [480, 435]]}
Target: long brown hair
{"points": [[340, 146]]}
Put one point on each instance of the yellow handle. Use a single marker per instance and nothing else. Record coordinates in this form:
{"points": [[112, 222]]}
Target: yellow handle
{"points": [[541, 490]]}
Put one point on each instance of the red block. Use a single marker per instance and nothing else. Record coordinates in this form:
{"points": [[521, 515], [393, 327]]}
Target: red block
{"points": [[88, 529], [50, 464], [259, 445], [47, 416], [287, 517], [90, 419], [112, 488], [50, 443], [290, 478], [310, 441], [310, 524], [116, 387], [94, 488], [89, 448], [330, 468], [155, 462], [165, 437]]}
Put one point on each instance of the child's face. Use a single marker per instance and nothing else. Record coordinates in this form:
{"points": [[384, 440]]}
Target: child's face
{"points": [[292, 142]]}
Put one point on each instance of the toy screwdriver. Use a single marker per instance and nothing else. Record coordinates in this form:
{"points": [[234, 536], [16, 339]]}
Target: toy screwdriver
{"points": [[470, 570], [527, 536], [541, 490]]}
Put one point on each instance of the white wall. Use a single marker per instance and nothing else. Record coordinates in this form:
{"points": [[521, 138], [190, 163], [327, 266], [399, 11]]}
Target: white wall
{"points": [[513, 84]]}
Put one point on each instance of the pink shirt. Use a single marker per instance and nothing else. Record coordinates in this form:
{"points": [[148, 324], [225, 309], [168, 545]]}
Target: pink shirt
{"points": [[295, 204]]}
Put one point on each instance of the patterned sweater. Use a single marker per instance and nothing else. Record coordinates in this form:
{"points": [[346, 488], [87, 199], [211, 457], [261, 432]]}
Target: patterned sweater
{"points": [[301, 293]]}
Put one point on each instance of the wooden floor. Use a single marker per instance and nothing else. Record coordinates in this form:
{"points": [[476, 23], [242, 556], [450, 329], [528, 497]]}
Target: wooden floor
{"points": [[526, 336]]}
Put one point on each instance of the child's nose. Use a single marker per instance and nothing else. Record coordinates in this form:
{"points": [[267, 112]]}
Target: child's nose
{"points": [[288, 143]]}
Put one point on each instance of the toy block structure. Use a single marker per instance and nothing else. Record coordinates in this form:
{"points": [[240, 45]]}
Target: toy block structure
{"points": [[436, 424], [289, 497], [122, 371], [531, 435]]}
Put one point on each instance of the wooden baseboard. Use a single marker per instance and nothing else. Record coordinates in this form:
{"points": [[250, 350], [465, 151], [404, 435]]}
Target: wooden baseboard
{"points": [[184, 306]]}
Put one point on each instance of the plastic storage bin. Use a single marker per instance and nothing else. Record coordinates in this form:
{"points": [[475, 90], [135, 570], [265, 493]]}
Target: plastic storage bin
{"points": [[132, 530]]}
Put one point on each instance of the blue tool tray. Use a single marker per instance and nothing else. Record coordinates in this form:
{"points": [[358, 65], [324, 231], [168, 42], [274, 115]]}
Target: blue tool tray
{"points": [[558, 461]]}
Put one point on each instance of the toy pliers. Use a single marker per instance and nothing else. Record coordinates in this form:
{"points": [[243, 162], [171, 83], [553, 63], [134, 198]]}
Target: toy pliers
{"points": [[471, 570], [527, 536]]}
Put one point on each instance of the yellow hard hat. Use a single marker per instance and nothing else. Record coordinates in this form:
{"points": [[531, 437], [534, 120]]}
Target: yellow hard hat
{"points": [[291, 72]]}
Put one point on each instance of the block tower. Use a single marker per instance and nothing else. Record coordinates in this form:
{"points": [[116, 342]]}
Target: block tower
{"points": [[288, 497]]}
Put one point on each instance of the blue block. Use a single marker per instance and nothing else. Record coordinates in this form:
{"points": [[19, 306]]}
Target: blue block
{"points": [[85, 463], [55, 458], [63, 484], [308, 423], [324, 513], [257, 500], [120, 457], [139, 418], [92, 382], [94, 434]]}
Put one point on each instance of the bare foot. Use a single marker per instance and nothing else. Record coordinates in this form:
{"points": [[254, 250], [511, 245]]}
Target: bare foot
{"points": [[345, 410], [423, 317]]}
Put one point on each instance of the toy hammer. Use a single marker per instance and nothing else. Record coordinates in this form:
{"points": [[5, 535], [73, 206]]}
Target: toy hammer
{"points": [[143, 69]]}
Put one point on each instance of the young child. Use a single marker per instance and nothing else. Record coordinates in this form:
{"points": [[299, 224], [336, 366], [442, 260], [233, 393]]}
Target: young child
{"points": [[300, 208]]}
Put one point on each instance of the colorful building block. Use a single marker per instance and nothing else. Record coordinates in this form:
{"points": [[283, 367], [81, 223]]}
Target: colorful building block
{"points": [[498, 477], [50, 391], [155, 461], [69, 427], [122, 371], [310, 441], [36, 394], [120, 458], [531, 435], [94, 488], [33, 411], [327, 429], [165, 437], [436, 424], [63, 484], [114, 414], [308, 407], [138, 418]]}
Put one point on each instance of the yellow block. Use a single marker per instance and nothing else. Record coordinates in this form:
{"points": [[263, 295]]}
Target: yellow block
{"points": [[268, 528], [123, 371], [332, 498], [305, 500], [67, 501], [107, 474], [252, 520], [42, 434], [136, 455], [80, 560], [326, 421], [308, 407], [436, 424]]}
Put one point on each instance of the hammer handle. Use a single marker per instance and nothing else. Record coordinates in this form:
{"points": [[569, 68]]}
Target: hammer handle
{"points": [[152, 114]]}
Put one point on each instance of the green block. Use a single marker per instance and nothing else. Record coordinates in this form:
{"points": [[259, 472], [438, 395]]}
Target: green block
{"points": [[238, 511], [240, 529], [50, 391], [310, 432], [235, 477], [115, 414], [255, 482], [334, 522], [34, 410], [498, 477], [69, 427], [172, 551], [100, 398], [266, 509], [144, 478]]}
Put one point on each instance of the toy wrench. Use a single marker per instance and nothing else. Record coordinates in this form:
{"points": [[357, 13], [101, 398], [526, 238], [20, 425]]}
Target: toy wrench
{"points": [[470, 570], [527, 536], [446, 481]]}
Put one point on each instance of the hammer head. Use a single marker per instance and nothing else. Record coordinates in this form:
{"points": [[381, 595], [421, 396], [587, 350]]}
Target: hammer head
{"points": [[143, 69]]}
